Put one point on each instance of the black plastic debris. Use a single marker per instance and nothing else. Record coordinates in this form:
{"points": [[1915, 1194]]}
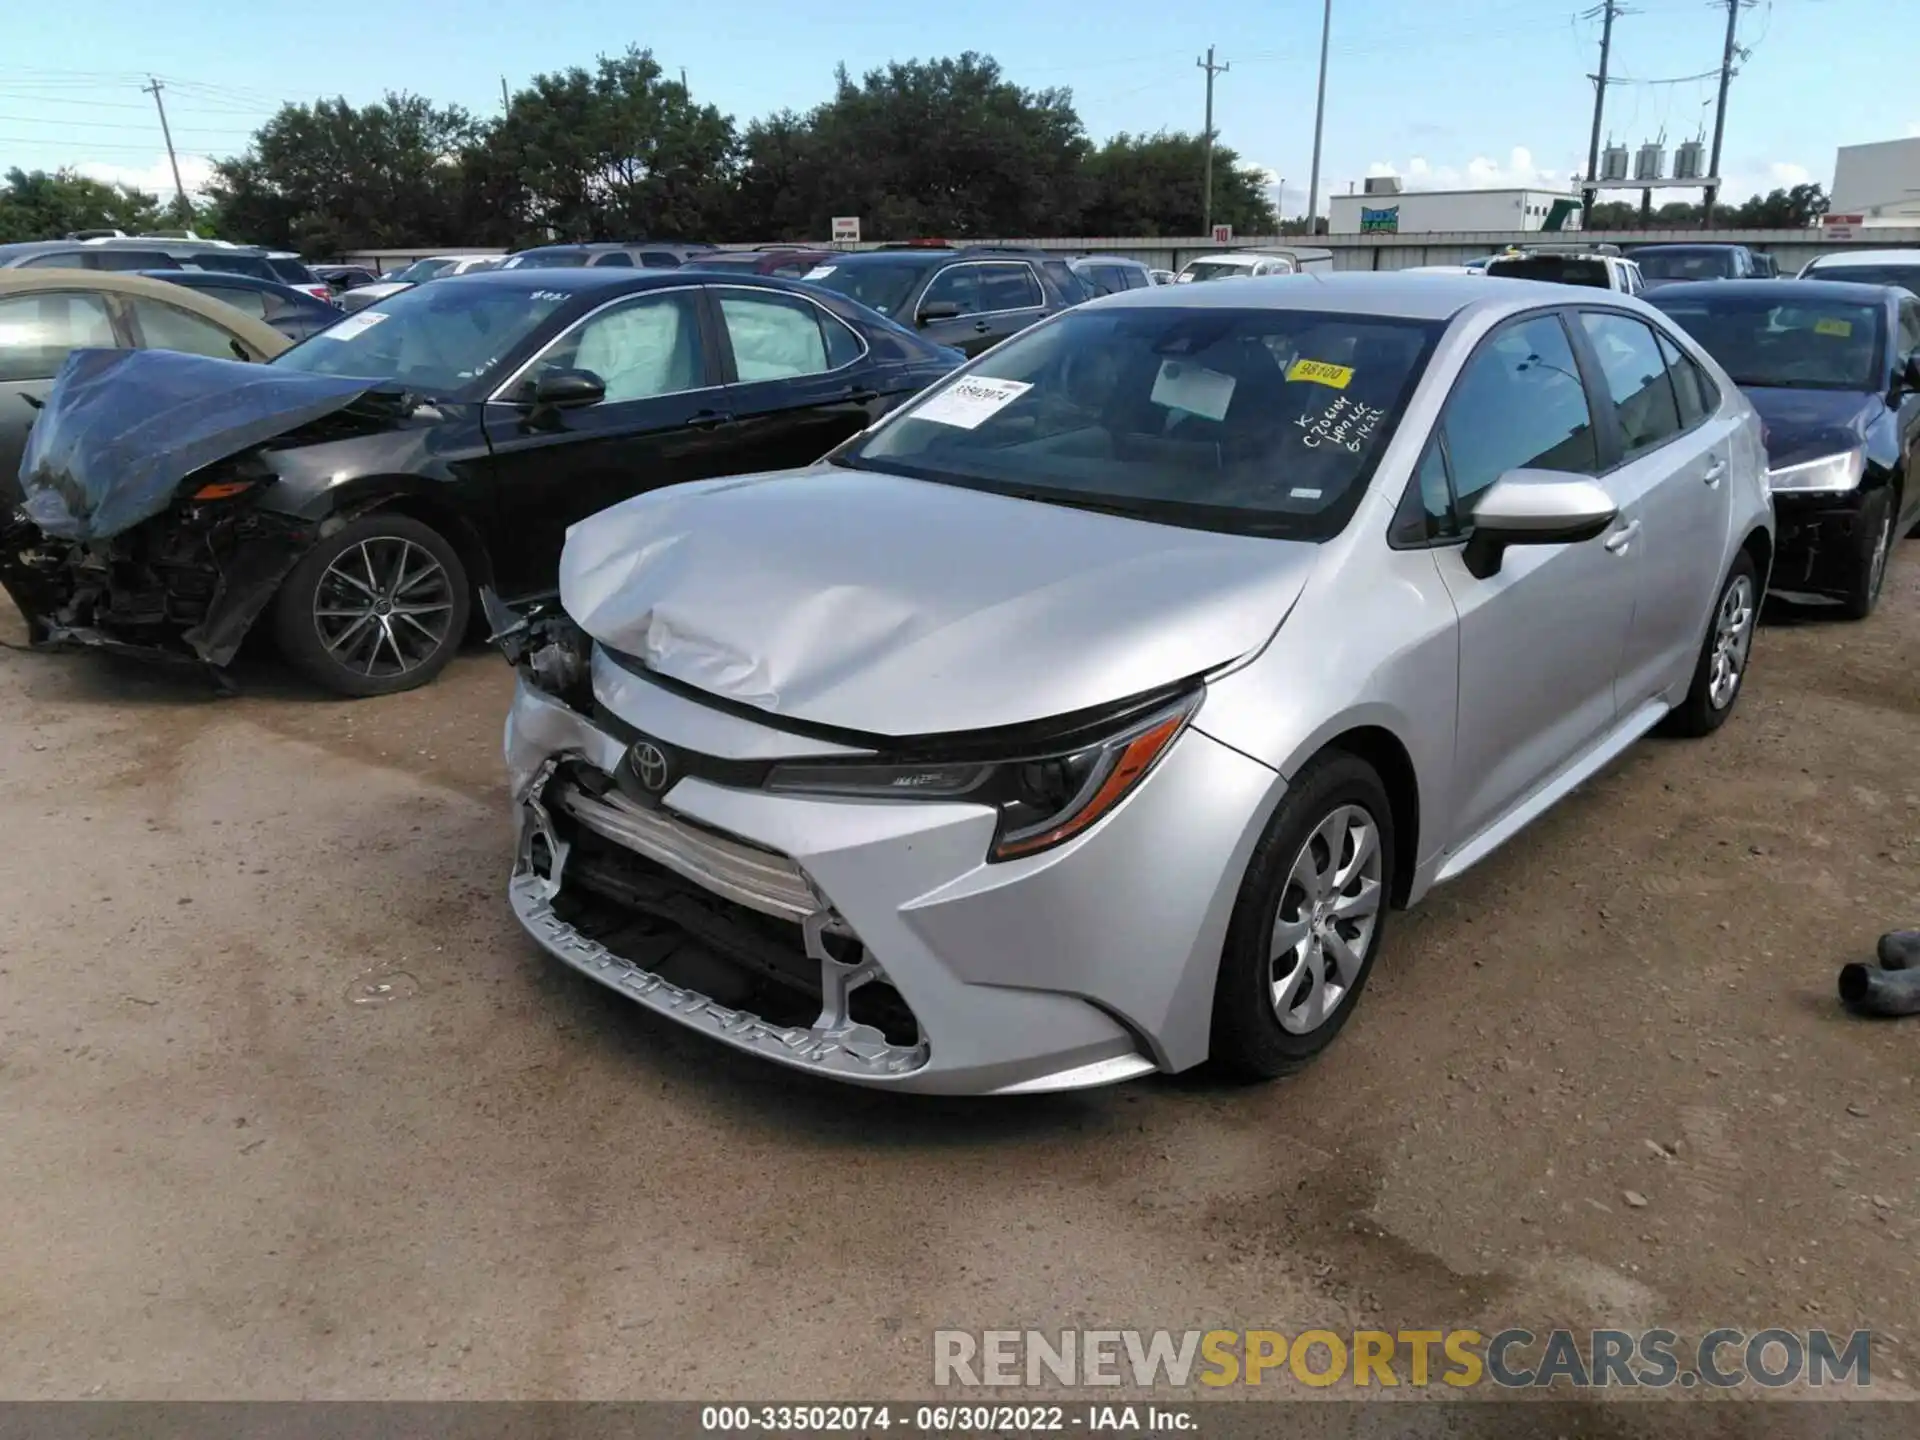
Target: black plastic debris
{"points": [[1893, 986]]}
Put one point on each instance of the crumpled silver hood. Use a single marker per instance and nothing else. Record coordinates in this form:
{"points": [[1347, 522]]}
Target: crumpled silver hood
{"points": [[901, 607]]}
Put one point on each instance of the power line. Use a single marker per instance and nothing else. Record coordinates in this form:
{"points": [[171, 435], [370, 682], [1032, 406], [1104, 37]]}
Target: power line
{"points": [[67, 124]]}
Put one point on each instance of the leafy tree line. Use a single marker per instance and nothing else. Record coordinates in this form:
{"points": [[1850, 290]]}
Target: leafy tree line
{"points": [[1782, 210], [946, 147]]}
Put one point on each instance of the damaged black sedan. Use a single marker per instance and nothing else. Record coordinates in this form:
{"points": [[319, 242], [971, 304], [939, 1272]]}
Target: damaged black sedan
{"points": [[354, 494]]}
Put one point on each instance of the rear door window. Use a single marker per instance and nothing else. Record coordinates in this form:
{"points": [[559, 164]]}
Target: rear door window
{"points": [[1009, 287], [1689, 385], [37, 331], [776, 337], [253, 302], [1636, 379], [167, 327], [614, 257]]}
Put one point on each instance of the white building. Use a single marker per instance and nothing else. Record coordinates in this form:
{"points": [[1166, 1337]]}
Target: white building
{"points": [[1384, 208], [1877, 182]]}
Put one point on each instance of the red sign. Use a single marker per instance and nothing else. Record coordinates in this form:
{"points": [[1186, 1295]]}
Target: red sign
{"points": [[1223, 234]]}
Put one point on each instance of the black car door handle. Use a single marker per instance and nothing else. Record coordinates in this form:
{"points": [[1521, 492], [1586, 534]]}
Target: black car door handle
{"points": [[981, 327], [862, 397], [708, 420]]}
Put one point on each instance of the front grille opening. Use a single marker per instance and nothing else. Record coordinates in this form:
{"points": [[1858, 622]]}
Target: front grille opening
{"points": [[690, 937]]}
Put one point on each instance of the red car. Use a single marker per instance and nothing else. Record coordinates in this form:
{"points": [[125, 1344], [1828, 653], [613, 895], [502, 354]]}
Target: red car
{"points": [[792, 261]]}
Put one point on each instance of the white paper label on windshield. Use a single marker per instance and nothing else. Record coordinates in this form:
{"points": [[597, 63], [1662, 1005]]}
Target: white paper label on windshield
{"points": [[818, 272], [353, 325], [1195, 389], [967, 403]]}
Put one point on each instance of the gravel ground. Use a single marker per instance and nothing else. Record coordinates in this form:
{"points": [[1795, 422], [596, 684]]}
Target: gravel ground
{"points": [[288, 1107]]}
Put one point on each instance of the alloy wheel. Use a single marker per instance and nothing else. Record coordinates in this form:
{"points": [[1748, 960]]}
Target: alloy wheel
{"points": [[383, 607], [1732, 639], [1329, 909], [1882, 548]]}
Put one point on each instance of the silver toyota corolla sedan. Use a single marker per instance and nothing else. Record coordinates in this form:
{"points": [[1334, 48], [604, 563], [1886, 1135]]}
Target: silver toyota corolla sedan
{"points": [[1087, 716]]}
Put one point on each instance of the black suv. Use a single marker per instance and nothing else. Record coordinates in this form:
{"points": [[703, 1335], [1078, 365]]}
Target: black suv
{"points": [[970, 297]]}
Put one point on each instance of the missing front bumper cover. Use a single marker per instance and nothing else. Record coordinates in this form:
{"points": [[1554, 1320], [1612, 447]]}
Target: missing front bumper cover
{"points": [[702, 927]]}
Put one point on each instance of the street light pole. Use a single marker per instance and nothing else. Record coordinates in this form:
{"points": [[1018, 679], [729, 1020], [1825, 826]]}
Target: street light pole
{"points": [[1319, 118]]}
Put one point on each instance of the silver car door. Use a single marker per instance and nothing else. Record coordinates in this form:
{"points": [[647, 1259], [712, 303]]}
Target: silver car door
{"points": [[1671, 484], [1540, 639]]}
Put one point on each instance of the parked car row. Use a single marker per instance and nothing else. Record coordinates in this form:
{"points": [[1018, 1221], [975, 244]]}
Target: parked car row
{"points": [[865, 688]]}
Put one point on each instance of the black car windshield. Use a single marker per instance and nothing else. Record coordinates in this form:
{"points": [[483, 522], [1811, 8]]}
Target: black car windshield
{"points": [[435, 339], [1907, 277], [1553, 269], [418, 271], [877, 285], [1255, 421], [1685, 264], [1799, 343], [558, 258]]}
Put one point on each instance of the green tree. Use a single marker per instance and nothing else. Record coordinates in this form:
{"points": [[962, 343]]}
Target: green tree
{"points": [[1154, 185], [618, 153], [38, 205], [1792, 209], [329, 177], [941, 148]]}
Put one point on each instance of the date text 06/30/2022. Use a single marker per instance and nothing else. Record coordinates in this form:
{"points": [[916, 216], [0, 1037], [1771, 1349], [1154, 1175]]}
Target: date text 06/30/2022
{"points": [[962, 1419]]}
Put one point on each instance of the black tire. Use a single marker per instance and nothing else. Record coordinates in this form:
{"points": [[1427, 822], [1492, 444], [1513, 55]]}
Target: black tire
{"points": [[1872, 535], [404, 653], [1699, 714], [1249, 1042]]}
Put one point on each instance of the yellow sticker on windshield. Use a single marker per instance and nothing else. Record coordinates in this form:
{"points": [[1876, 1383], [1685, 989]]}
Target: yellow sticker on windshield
{"points": [[1842, 328], [1320, 373]]}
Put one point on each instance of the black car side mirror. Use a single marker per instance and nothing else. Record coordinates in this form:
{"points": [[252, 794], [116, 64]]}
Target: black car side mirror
{"points": [[939, 310], [568, 390]]}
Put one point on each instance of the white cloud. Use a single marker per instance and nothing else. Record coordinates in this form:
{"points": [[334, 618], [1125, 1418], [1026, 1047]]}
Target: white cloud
{"points": [[1787, 175], [1518, 171], [155, 178]]}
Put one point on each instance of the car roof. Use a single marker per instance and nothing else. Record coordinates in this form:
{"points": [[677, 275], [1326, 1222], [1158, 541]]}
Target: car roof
{"points": [[1686, 245], [591, 279], [261, 336], [1867, 257], [1106, 260], [1827, 290], [219, 279], [1385, 293]]}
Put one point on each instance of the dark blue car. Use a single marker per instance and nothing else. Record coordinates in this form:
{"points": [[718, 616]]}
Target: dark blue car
{"points": [[1834, 370], [292, 312]]}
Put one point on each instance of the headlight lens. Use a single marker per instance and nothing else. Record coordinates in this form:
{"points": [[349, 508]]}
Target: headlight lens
{"points": [[1043, 800], [1831, 474]]}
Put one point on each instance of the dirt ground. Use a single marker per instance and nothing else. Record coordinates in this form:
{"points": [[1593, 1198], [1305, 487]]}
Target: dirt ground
{"points": [[289, 1108]]}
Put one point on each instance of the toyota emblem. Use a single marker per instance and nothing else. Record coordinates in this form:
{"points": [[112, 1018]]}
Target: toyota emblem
{"points": [[649, 763]]}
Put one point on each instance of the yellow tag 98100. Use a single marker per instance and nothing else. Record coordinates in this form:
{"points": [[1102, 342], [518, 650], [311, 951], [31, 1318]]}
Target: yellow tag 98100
{"points": [[1320, 373]]}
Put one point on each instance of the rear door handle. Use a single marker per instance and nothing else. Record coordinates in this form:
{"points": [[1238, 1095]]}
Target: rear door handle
{"points": [[1621, 539], [1716, 472], [708, 419], [981, 327]]}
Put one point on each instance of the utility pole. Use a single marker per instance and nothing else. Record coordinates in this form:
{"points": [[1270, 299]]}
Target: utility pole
{"points": [[1206, 183], [153, 87], [1720, 110], [1319, 118], [1608, 11], [505, 104]]}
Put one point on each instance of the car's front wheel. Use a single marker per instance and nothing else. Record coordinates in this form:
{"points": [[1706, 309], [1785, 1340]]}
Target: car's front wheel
{"points": [[377, 607], [1873, 542], [1308, 922]]}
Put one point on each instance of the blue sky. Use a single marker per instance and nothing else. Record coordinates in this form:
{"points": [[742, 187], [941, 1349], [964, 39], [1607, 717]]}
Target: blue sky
{"points": [[1444, 94]]}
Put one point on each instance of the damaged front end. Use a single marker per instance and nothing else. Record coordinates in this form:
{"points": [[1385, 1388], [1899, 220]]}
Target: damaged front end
{"points": [[715, 931], [185, 586]]}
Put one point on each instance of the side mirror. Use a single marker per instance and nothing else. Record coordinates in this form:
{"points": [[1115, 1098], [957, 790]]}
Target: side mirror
{"points": [[939, 310], [568, 390], [1534, 507], [1909, 376]]}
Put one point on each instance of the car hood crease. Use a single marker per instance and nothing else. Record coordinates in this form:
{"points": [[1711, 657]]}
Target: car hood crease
{"points": [[122, 428], [901, 607]]}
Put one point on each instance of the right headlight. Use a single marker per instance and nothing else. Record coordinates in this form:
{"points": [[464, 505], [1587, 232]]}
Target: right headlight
{"points": [[1830, 474], [1043, 799]]}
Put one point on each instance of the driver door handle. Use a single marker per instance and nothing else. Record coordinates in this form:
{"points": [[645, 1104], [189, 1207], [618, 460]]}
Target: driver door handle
{"points": [[708, 420], [1716, 472], [1618, 542], [981, 327]]}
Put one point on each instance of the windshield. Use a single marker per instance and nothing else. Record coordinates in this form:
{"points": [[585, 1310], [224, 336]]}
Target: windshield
{"points": [[1803, 344], [1907, 277], [1554, 269], [291, 271], [556, 258], [1685, 264], [1214, 270], [418, 271], [436, 339], [882, 286], [1260, 422]]}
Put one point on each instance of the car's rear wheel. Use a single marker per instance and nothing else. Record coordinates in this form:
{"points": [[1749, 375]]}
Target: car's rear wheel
{"points": [[1721, 671], [378, 607], [1308, 922], [1873, 541]]}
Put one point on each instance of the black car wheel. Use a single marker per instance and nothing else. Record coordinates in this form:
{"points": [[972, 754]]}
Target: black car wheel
{"points": [[1873, 547], [1308, 923], [378, 607]]}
